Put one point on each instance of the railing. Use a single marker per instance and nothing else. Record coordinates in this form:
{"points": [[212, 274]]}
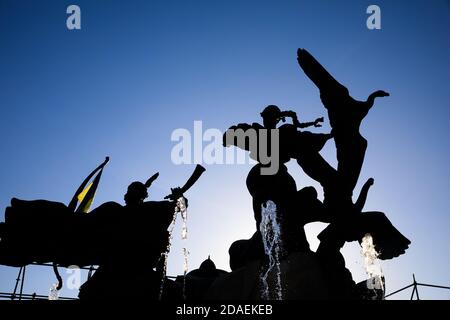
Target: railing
{"points": [[415, 290], [27, 296]]}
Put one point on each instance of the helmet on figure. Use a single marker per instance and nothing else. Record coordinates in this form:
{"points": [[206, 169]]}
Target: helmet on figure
{"points": [[271, 116], [271, 111], [136, 193]]}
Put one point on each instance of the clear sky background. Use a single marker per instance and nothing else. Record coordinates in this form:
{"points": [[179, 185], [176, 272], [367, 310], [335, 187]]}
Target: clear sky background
{"points": [[137, 70]]}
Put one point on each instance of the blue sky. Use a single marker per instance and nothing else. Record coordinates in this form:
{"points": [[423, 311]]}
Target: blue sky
{"points": [[138, 70]]}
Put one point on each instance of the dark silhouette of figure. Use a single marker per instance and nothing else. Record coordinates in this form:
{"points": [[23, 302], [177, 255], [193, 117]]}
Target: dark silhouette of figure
{"points": [[279, 187], [345, 115], [272, 115], [136, 241], [32, 229], [347, 220], [348, 223], [128, 269], [126, 242]]}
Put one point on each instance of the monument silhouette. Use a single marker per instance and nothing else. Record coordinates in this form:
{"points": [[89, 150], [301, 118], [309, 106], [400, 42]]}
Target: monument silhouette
{"points": [[127, 242], [295, 208]]}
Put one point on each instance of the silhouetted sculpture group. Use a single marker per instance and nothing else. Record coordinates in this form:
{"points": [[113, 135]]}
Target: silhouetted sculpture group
{"points": [[127, 242], [295, 208]]}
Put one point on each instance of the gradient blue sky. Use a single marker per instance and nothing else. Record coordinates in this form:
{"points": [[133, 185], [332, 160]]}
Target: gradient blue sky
{"points": [[140, 69]]}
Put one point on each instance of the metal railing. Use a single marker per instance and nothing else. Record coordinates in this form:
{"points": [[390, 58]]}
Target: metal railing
{"points": [[20, 280], [415, 285], [26, 296]]}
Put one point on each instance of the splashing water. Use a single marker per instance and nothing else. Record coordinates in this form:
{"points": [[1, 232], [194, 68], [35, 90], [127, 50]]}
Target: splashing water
{"points": [[181, 204], [53, 295], [165, 254], [371, 264], [179, 208], [185, 270], [271, 236]]}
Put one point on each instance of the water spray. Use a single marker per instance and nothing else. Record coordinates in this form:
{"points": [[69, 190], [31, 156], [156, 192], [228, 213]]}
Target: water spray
{"points": [[271, 236], [372, 264], [177, 194], [54, 294]]}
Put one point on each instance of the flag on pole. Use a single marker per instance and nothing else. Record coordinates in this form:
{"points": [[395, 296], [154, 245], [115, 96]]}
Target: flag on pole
{"points": [[85, 195]]}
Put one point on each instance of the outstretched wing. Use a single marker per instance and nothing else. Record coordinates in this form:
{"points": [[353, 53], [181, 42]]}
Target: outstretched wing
{"points": [[317, 73], [388, 241]]}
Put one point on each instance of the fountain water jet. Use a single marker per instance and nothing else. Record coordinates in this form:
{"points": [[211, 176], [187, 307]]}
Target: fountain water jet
{"points": [[271, 236], [182, 209], [372, 264]]}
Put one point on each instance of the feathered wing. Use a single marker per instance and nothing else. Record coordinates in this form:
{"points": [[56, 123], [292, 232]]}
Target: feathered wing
{"points": [[317, 73], [389, 242]]}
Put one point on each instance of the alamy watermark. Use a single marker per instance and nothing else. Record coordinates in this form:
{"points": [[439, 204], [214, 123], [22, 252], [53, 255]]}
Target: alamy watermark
{"points": [[73, 281], [73, 21], [374, 20], [213, 146]]}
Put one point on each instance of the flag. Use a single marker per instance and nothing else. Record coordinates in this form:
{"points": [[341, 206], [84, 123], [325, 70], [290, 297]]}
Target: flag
{"points": [[84, 196]]}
